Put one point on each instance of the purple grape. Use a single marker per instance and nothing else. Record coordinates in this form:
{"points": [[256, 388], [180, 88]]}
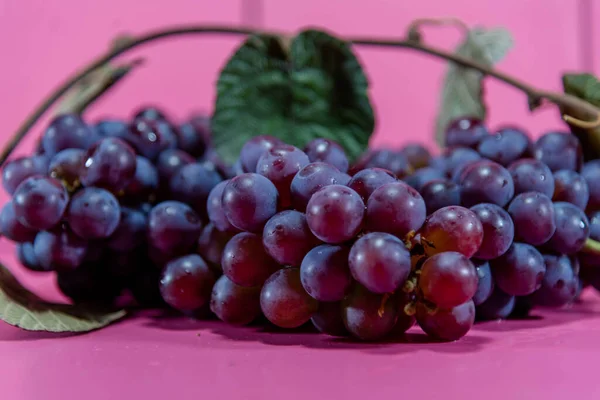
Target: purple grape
{"points": [[324, 273], [560, 282], [280, 164], [328, 319], [391, 160], [27, 258], [310, 179], [66, 167], [93, 213], [335, 214], [559, 150], [520, 270], [505, 146], [211, 245], [170, 161], [192, 183], [254, 148], [368, 316], [39, 202], [109, 164], [417, 155], [151, 112], [150, 137], [447, 324], [486, 182], [457, 158], [423, 176], [144, 184], [591, 174], [366, 181], [59, 250], [214, 208], [530, 175], [283, 299], [498, 306], [11, 228], [380, 262], [327, 151], [235, 304], [485, 285], [186, 283], [395, 208], [571, 187], [439, 194], [572, 229], [287, 238], [112, 128], [466, 132], [249, 200], [592, 259], [533, 216], [67, 131], [448, 279], [498, 230], [245, 260], [131, 231], [194, 136], [173, 227], [19, 169]]}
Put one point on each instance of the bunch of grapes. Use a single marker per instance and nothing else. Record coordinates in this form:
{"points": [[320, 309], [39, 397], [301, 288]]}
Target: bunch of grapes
{"points": [[147, 214]]}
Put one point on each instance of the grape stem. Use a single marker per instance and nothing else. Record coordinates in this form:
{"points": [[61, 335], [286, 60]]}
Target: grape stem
{"points": [[591, 247], [413, 41]]}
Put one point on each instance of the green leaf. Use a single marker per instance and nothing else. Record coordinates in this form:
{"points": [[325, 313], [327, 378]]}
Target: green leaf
{"points": [[314, 87], [462, 93], [21, 308], [586, 87]]}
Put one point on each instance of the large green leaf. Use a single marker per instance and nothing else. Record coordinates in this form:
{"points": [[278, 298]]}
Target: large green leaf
{"points": [[313, 88], [586, 87]]}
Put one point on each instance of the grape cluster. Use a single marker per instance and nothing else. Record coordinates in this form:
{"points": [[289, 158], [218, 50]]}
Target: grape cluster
{"points": [[493, 226]]}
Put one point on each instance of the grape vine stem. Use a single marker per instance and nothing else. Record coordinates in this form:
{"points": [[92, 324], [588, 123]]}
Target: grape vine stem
{"points": [[414, 42], [591, 246]]}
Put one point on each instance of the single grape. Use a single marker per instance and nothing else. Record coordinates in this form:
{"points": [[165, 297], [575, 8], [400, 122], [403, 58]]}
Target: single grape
{"points": [[112, 128], [391, 160], [571, 187], [249, 200], [27, 258], [194, 136], [186, 283], [246, 262], [310, 179], [173, 227], [361, 162], [498, 230], [131, 231], [466, 132], [559, 150], [591, 173], [109, 164], [447, 324], [423, 176], [380, 262], [439, 194], [485, 285], [254, 148], [170, 161], [486, 182], [505, 146], [404, 321], [214, 208], [93, 213], [327, 151], [150, 137], [457, 158], [59, 250], [324, 273], [417, 155], [530, 175], [448, 279], [498, 306], [520, 270], [366, 181], [280, 164], [395, 208], [19, 169], [151, 112], [66, 167], [40, 202], [192, 183], [572, 229], [224, 169], [89, 284], [335, 214], [560, 282], [283, 299], [533, 216], [11, 228], [369, 316], [287, 238], [235, 304], [144, 184], [67, 131], [452, 228], [211, 245], [328, 319]]}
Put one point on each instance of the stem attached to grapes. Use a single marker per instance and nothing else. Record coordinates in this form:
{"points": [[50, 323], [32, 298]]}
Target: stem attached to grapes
{"points": [[535, 96], [591, 247]]}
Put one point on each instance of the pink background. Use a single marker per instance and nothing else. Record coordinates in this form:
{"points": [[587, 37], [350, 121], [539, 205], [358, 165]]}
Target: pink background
{"points": [[42, 42]]}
